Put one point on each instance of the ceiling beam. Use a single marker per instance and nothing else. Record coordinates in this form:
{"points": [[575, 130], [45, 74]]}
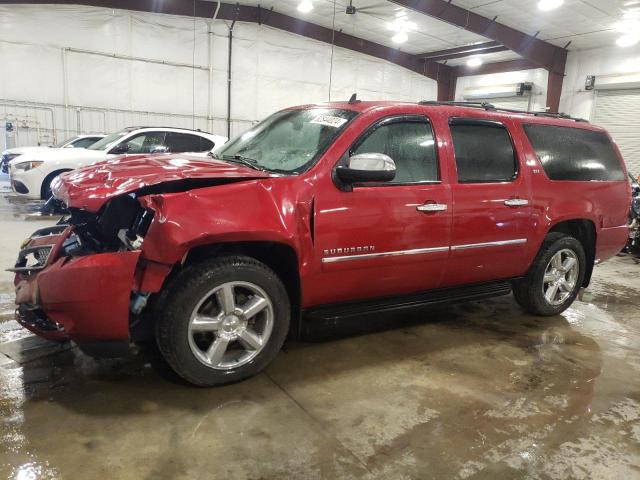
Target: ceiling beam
{"points": [[452, 56], [538, 52], [468, 49], [271, 18], [497, 67]]}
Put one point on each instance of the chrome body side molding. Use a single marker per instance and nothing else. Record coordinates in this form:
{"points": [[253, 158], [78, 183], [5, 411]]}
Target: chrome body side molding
{"points": [[415, 251], [499, 243]]}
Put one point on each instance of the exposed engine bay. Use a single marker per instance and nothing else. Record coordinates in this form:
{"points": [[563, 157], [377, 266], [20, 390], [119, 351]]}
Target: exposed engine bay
{"points": [[120, 225]]}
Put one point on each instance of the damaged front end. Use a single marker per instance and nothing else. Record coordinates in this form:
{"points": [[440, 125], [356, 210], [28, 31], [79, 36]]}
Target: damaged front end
{"points": [[78, 281]]}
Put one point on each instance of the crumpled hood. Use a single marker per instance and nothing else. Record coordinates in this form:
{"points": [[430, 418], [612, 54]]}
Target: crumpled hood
{"points": [[90, 187]]}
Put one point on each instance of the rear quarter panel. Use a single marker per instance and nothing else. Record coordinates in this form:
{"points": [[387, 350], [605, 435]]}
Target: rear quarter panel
{"points": [[605, 203]]}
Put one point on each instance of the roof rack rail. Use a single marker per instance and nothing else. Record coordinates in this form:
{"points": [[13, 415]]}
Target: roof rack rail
{"points": [[489, 106], [485, 105]]}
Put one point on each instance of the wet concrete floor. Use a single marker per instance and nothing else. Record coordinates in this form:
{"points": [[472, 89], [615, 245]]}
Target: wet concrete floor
{"points": [[472, 391]]}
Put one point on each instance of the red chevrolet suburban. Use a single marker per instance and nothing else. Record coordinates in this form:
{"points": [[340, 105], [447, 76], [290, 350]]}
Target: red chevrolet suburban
{"points": [[322, 212]]}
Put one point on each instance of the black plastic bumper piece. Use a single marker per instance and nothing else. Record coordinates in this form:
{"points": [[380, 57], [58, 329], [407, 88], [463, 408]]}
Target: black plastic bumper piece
{"points": [[34, 317], [105, 349], [20, 187]]}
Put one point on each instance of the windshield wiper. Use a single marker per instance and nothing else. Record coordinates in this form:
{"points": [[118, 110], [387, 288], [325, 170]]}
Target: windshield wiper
{"points": [[246, 161]]}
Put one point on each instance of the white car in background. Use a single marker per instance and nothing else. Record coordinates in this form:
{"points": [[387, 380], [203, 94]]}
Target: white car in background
{"points": [[79, 141], [32, 173]]}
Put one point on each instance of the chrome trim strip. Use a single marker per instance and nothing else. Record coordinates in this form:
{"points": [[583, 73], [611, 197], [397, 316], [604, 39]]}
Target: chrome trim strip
{"points": [[499, 243], [416, 251]]}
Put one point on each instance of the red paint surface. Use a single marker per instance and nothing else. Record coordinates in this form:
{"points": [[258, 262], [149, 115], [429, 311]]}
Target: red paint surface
{"points": [[90, 295]]}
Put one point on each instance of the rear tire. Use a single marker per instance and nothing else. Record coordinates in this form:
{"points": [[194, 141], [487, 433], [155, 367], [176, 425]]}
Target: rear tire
{"points": [[223, 321], [555, 277]]}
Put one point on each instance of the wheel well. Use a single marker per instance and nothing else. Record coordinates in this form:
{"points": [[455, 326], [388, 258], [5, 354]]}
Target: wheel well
{"points": [[281, 258], [48, 179], [585, 232]]}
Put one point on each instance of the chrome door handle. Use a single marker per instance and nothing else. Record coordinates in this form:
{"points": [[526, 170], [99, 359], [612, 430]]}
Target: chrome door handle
{"points": [[516, 202], [432, 207]]}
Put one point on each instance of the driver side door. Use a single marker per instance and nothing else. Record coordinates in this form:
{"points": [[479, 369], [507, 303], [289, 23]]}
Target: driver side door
{"points": [[378, 239]]}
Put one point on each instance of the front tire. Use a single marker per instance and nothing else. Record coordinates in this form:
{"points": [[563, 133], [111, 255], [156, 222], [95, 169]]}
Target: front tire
{"points": [[223, 321], [555, 277]]}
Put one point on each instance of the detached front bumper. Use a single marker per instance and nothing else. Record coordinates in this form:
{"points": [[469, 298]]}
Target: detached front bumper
{"points": [[83, 298]]}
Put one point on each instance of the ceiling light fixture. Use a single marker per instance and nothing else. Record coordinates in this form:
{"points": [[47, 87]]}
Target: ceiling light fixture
{"points": [[474, 62], [628, 40], [546, 5], [401, 26], [400, 37], [305, 6], [629, 28]]}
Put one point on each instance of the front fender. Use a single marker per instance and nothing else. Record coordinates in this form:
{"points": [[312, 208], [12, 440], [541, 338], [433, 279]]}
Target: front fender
{"points": [[257, 210]]}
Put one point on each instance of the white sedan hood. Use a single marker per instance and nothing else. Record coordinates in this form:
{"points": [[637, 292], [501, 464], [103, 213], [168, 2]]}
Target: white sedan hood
{"points": [[77, 157], [23, 150]]}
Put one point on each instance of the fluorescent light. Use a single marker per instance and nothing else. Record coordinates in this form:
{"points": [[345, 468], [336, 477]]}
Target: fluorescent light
{"points": [[400, 37], [628, 40], [305, 6], [546, 5], [474, 62]]}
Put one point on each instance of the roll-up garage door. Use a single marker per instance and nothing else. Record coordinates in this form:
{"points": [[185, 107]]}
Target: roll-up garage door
{"points": [[511, 103], [619, 112]]}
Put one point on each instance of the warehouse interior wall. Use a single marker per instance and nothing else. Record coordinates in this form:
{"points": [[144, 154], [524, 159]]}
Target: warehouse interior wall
{"points": [[538, 77], [578, 101], [99, 69]]}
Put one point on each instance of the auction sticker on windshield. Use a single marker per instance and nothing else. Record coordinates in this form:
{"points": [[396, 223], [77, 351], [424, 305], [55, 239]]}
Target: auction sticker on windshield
{"points": [[329, 121]]}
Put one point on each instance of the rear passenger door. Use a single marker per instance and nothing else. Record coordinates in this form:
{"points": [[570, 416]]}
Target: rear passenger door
{"points": [[491, 212]]}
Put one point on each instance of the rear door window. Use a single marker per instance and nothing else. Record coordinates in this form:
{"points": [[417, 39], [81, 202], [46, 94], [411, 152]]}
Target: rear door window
{"points": [[574, 153], [183, 142], [483, 150]]}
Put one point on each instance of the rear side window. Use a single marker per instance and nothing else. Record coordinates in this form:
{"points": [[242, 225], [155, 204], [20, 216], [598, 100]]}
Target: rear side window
{"points": [[484, 152], [573, 153], [206, 144], [183, 142]]}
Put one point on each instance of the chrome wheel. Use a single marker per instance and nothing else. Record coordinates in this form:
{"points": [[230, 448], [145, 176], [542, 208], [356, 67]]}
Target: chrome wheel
{"points": [[230, 325], [560, 276]]}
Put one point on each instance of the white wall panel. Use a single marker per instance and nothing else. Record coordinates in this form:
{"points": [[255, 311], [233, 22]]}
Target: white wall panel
{"points": [[30, 72], [538, 77], [97, 81], [603, 61], [271, 69]]}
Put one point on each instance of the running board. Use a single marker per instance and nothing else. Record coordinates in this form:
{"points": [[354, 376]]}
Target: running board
{"points": [[335, 312]]}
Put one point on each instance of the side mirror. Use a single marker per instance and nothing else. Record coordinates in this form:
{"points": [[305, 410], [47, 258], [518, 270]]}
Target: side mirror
{"points": [[160, 149], [367, 167], [120, 149]]}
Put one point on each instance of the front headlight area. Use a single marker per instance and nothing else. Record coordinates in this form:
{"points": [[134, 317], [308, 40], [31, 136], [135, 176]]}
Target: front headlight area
{"points": [[120, 225], [26, 166]]}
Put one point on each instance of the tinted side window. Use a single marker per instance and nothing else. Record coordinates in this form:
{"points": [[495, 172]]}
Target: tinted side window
{"points": [[206, 144], [573, 153], [85, 142], [483, 151], [411, 146], [145, 142], [182, 142]]}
